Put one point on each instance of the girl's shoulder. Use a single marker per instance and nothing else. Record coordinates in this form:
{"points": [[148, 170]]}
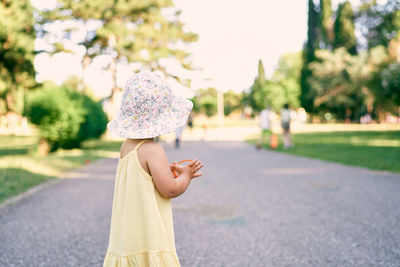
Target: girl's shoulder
{"points": [[151, 149]]}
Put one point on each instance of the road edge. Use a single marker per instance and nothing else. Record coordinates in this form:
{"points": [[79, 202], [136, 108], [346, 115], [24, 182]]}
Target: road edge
{"points": [[29, 192]]}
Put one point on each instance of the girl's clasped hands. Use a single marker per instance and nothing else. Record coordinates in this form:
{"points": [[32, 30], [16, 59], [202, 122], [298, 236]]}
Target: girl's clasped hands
{"points": [[191, 169]]}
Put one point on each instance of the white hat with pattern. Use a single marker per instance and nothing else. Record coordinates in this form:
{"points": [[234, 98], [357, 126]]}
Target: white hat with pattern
{"points": [[149, 108]]}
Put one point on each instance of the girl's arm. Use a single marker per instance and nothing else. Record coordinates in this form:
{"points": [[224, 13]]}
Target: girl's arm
{"points": [[160, 170]]}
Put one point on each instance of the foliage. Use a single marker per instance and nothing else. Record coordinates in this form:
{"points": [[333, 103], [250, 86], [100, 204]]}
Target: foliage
{"points": [[56, 114], [64, 117], [379, 23], [344, 28], [312, 43], [309, 56], [325, 23], [17, 37], [127, 31], [256, 97], [390, 77], [287, 74], [232, 102], [282, 88], [261, 72], [272, 95], [383, 80], [265, 93], [209, 105], [206, 101], [337, 80], [95, 120]]}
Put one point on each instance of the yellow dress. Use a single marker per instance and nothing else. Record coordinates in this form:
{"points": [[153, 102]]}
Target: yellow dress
{"points": [[142, 232]]}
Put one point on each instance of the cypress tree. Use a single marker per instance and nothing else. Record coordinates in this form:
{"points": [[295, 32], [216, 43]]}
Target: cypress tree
{"points": [[309, 55], [326, 23], [344, 28], [261, 72], [257, 88]]}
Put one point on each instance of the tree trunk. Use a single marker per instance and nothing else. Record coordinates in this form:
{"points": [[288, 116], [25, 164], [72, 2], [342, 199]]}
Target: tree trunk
{"points": [[348, 115], [44, 147], [85, 64], [220, 102], [381, 116], [112, 41]]}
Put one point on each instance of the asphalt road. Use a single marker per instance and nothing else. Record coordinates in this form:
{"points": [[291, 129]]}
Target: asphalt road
{"points": [[251, 208]]}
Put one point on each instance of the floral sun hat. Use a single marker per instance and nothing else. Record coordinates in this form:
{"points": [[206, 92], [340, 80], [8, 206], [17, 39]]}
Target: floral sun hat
{"points": [[149, 108]]}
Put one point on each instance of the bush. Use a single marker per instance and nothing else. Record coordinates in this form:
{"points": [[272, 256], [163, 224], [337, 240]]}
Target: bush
{"points": [[64, 118], [209, 105], [95, 120], [205, 102], [232, 102]]}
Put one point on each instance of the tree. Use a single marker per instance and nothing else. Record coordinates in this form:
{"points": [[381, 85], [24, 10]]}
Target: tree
{"points": [[232, 102], [379, 23], [337, 81], [128, 31], [390, 77], [383, 81], [287, 74], [326, 23], [265, 93], [206, 100], [261, 72], [256, 90], [344, 28], [309, 56], [17, 37], [312, 32], [272, 95], [282, 88]]}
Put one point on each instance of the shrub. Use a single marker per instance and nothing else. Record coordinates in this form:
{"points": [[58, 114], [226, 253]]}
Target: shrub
{"points": [[232, 102], [205, 102], [209, 105], [95, 120], [64, 118]]}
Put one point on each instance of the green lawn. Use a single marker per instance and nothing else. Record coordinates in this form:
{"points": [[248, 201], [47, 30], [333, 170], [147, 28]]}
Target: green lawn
{"points": [[21, 168], [379, 150]]}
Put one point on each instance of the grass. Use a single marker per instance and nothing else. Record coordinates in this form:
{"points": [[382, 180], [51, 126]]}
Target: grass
{"points": [[378, 150], [22, 168]]}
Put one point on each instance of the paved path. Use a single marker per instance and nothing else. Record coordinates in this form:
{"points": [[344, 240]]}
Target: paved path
{"points": [[251, 208]]}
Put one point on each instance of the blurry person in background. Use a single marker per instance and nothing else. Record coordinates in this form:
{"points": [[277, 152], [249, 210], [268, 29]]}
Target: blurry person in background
{"points": [[190, 122], [265, 125], [178, 135], [366, 119], [285, 122]]}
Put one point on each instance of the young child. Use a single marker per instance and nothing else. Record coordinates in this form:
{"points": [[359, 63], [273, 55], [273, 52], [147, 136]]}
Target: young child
{"points": [[142, 231]]}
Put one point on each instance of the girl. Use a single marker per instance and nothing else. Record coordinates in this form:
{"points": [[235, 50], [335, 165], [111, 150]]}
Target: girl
{"points": [[142, 231]]}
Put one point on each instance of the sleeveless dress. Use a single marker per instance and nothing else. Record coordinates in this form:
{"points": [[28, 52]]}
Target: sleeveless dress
{"points": [[142, 232]]}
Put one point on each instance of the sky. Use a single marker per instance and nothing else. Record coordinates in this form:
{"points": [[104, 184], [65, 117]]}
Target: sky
{"points": [[233, 36]]}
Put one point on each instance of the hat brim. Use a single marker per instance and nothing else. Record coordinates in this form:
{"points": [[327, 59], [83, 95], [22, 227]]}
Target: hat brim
{"points": [[134, 128]]}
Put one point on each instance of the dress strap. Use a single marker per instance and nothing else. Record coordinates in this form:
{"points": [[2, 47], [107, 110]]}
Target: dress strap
{"points": [[141, 143]]}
